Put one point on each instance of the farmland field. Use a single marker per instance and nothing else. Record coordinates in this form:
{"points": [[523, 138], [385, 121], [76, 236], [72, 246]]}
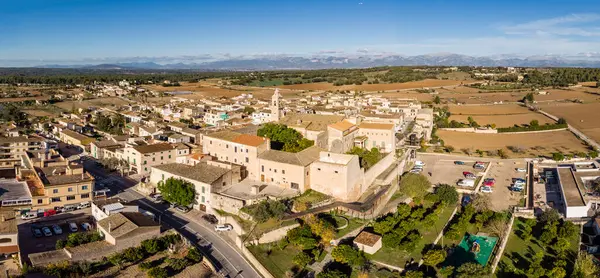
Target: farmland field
{"points": [[376, 87], [505, 120], [544, 143], [581, 116], [487, 109], [100, 102], [203, 89]]}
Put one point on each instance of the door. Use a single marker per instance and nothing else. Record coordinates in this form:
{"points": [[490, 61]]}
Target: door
{"points": [[262, 178]]}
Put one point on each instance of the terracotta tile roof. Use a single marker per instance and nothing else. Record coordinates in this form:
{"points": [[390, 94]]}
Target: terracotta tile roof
{"points": [[376, 126], [154, 148], [250, 140], [367, 238], [9, 249], [342, 126], [235, 137]]}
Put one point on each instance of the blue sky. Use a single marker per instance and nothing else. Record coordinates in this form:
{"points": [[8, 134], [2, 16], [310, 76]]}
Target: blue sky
{"points": [[41, 31]]}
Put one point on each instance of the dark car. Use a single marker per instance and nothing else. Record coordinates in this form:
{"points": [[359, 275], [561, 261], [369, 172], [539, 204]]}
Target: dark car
{"points": [[459, 163], [466, 200], [210, 218]]}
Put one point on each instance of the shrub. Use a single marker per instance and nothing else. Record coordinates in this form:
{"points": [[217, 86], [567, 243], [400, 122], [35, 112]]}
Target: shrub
{"points": [[194, 255], [157, 272], [145, 265], [60, 244], [532, 128], [151, 246], [302, 259], [133, 254], [176, 263]]}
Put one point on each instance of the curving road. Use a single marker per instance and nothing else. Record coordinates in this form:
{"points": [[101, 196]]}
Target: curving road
{"points": [[226, 257]]}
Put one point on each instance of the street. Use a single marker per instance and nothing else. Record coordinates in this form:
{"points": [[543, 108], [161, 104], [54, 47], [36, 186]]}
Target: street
{"points": [[224, 255]]}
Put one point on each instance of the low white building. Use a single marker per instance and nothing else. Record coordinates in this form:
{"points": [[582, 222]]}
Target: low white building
{"points": [[104, 208]]}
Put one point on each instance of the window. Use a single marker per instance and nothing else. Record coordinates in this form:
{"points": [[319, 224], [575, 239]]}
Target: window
{"points": [[70, 189], [85, 196], [72, 197], [153, 159], [84, 187], [275, 170], [271, 179], [5, 240], [247, 160], [227, 146], [202, 199], [282, 171], [145, 169], [336, 171], [169, 156], [40, 201], [203, 189], [294, 185], [55, 199], [161, 158], [211, 142], [262, 168], [54, 191], [318, 169], [235, 149], [246, 150]]}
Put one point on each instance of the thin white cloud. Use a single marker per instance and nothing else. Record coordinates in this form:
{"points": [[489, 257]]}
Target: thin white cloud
{"points": [[569, 25]]}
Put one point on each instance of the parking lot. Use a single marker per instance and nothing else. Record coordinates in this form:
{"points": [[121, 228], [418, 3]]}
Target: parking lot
{"points": [[442, 170], [504, 171], [28, 243]]}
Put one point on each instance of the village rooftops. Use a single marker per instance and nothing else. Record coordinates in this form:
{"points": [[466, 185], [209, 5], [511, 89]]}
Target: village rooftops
{"points": [[367, 238], [106, 144], [302, 158], [19, 139], [343, 125], [11, 189], [235, 137], [122, 223], [376, 126], [201, 172], [381, 116], [312, 122], [161, 147], [75, 135]]}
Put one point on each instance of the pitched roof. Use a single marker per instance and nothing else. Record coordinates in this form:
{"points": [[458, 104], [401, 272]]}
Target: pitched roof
{"points": [[235, 137], [201, 172], [314, 122], [303, 158], [161, 147], [367, 238], [122, 223], [376, 126], [75, 135], [342, 125], [106, 144], [19, 139]]}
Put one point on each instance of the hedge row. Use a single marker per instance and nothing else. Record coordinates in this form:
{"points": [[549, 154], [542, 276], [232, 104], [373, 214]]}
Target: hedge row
{"points": [[531, 128]]}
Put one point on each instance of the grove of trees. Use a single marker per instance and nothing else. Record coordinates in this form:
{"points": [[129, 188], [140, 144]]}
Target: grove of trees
{"points": [[284, 138], [177, 191]]}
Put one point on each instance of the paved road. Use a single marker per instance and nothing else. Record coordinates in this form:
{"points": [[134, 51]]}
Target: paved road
{"points": [[226, 257]]}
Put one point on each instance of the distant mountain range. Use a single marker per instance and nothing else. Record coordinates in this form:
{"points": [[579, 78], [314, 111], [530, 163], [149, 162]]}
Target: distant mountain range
{"points": [[282, 62]]}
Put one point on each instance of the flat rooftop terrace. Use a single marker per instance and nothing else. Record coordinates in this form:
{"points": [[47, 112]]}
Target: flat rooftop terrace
{"points": [[568, 183]]}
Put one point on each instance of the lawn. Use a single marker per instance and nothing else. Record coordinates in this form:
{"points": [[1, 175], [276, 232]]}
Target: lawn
{"points": [[353, 224], [312, 197], [273, 259], [399, 257], [518, 252]]}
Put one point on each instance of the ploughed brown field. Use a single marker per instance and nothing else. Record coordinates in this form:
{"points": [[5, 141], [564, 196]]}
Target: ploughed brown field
{"points": [[98, 102], [427, 83], [535, 144], [499, 109], [17, 99], [505, 120], [204, 89], [584, 117]]}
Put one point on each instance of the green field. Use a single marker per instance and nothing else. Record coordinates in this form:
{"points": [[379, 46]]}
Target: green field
{"points": [[276, 261]]}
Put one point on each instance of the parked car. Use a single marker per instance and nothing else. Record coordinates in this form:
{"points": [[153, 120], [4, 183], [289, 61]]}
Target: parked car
{"points": [[29, 215], [86, 226], [521, 170], [73, 227], [486, 189], [466, 199], [56, 229], [156, 197], [69, 208], [488, 183], [182, 209], [459, 163], [223, 228], [83, 205], [49, 212], [47, 231], [516, 188], [419, 163], [210, 218], [37, 232], [519, 182], [416, 170]]}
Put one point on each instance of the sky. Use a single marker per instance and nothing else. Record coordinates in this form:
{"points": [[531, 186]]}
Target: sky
{"points": [[69, 31]]}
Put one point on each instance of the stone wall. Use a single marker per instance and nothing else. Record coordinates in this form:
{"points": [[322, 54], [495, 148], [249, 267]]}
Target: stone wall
{"points": [[471, 130], [276, 235]]}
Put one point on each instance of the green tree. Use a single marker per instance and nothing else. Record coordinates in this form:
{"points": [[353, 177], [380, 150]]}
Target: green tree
{"points": [[534, 123], [557, 272], [414, 185], [177, 264], [194, 255], [249, 110], [151, 246], [549, 216], [562, 121], [117, 260], [558, 156], [331, 273], [469, 270], [528, 97], [434, 257], [344, 254], [157, 272], [177, 191], [302, 259], [284, 138], [446, 194], [436, 100], [585, 267], [561, 245], [593, 154], [414, 274]]}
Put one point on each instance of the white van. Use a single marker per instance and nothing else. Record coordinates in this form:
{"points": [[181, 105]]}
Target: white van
{"points": [[466, 182], [83, 205], [29, 215], [419, 163]]}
